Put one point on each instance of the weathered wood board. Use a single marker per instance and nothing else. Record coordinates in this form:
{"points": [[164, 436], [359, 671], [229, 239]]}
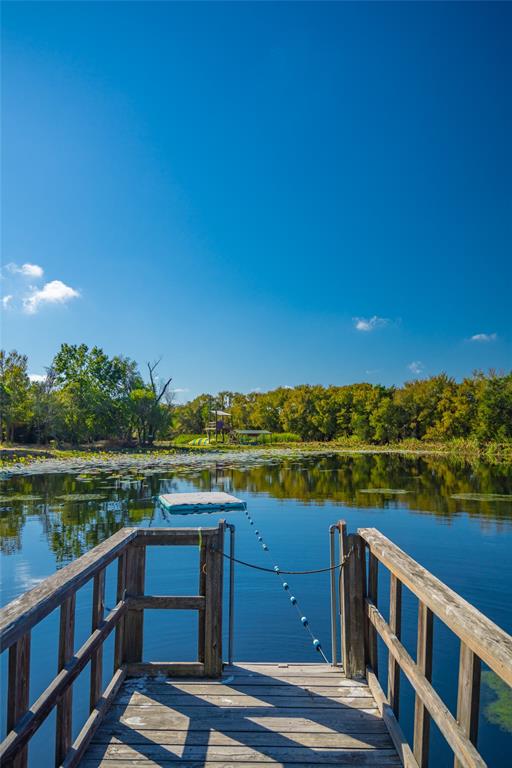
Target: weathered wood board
{"points": [[255, 715]]}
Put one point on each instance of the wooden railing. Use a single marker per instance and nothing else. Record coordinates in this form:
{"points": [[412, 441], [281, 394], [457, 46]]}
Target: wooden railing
{"points": [[480, 640], [128, 547]]}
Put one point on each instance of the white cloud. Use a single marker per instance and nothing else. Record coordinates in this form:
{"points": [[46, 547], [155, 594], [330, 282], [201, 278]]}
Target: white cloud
{"points": [[369, 324], [37, 377], [484, 337], [416, 367], [6, 300], [27, 270], [24, 578], [179, 390], [54, 292]]}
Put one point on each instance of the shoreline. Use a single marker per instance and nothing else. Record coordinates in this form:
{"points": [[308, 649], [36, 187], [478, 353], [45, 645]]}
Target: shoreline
{"points": [[23, 460]]}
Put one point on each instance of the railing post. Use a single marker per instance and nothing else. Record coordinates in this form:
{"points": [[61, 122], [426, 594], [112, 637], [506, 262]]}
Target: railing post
{"points": [[468, 698], [373, 592], [231, 617], [98, 609], [395, 624], [63, 737], [344, 592], [353, 626], [334, 597], [213, 608], [120, 594], [424, 662], [18, 690], [134, 621], [202, 592]]}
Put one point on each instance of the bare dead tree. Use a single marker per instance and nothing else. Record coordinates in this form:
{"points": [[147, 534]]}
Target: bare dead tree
{"points": [[158, 393], [151, 369]]}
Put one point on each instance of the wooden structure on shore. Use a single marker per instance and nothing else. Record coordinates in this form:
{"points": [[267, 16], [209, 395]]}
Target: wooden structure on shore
{"points": [[203, 713], [219, 426], [251, 436]]}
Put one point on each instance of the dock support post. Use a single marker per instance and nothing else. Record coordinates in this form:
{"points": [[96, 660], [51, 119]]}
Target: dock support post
{"points": [[354, 575], [213, 609]]}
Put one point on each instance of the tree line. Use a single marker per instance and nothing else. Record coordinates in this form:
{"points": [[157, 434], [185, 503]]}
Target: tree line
{"points": [[84, 397], [87, 396], [437, 408]]}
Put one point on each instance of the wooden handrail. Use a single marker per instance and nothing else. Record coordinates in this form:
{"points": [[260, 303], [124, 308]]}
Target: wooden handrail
{"points": [[19, 616], [485, 638], [168, 602], [451, 730], [175, 536], [39, 711], [480, 640], [17, 619]]}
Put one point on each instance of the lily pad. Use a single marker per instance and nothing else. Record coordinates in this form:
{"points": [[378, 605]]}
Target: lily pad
{"points": [[19, 497], [384, 491], [82, 497], [483, 496]]}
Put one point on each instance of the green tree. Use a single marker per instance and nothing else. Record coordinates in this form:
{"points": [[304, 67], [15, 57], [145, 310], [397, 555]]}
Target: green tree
{"points": [[46, 411], [14, 394], [494, 411], [94, 392]]}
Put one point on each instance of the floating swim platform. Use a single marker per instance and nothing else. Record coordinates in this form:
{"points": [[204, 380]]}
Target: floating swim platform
{"points": [[200, 502]]}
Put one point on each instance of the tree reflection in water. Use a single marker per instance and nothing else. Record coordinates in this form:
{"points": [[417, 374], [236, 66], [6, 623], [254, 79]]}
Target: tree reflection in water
{"points": [[79, 511]]}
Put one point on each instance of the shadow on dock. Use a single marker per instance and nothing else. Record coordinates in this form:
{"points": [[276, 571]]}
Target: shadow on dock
{"points": [[302, 715]]}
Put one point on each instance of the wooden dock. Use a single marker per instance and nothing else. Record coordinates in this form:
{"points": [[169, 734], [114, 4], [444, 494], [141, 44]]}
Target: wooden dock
{"points": [[208, 714], [257, 714]]}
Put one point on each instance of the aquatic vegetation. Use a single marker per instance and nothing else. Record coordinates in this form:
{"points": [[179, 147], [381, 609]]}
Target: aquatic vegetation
{"points": [[483, 496], [132, 480], [499, 710], [19, 497], [384, 491], [82, 497]]}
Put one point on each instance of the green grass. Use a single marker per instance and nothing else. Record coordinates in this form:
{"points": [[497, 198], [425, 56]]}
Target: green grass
{"points": [[285, 437]]}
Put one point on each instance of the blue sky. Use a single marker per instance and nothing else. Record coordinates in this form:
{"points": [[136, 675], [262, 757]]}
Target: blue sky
{"points": [[264, 194]]}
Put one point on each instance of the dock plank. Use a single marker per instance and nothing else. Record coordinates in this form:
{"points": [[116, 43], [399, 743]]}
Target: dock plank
{"points": [[163, 691], [255, 715], [173, 754], [264, 738], [146, 763], [231, 699]]}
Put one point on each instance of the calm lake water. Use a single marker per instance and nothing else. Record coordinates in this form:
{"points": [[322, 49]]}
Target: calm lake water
{"points": [[454, 518]]}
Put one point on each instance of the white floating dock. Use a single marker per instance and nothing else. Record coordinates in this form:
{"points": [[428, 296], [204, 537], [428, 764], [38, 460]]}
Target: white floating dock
{"points": [[200, 502]]}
